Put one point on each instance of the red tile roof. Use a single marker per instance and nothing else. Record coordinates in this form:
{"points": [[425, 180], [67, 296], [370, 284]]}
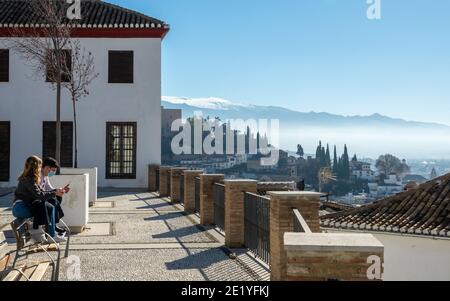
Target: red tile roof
{"points": [[424, 210], [94, 13]]}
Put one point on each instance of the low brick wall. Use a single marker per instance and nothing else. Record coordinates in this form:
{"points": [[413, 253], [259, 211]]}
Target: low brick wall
{"points": [[281, 221], [329, 256]]}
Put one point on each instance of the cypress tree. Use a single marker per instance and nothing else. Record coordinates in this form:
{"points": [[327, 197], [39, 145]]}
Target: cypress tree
{"points": [[318, 153], [328, 156], [339, 168], [345, 164], [335, 162]]}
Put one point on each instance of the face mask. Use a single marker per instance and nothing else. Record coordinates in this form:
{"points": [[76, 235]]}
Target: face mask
{"points": [[51, 174]]}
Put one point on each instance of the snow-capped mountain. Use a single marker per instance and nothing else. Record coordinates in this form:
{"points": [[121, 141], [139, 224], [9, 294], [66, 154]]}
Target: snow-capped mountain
{"points": [[365, 135], [211, 103], [225, 109]]}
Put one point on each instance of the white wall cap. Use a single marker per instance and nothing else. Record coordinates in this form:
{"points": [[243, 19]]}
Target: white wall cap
{"points": [[357, 242], [295, 193]]}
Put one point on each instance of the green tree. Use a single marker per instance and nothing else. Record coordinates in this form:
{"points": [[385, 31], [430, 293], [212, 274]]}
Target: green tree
{"points": [[345, 165], [335, 162], [319, 152], [388, 164], [328, 157], [300, 151]]}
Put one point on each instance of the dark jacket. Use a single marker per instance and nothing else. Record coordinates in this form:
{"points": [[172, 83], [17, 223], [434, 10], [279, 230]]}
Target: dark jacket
{"points": [[28, 191]]}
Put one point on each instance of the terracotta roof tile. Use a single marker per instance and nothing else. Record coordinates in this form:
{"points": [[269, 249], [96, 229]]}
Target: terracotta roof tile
{"points": [[424, 210]]}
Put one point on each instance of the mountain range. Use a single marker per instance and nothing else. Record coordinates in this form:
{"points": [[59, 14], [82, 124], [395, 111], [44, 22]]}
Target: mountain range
{"points": [[225, 109], [369, 136]]}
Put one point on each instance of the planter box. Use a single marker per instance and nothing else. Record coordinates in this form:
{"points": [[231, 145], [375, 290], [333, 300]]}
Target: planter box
{"points": [[92, 180], [76, 203]]}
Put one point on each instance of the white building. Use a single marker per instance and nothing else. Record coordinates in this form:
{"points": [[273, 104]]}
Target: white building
{"points": [[119, 123], [362, 170], [413, 226]]}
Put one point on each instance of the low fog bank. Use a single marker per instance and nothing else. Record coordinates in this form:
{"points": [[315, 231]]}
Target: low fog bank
{"points": [[370, 142]]}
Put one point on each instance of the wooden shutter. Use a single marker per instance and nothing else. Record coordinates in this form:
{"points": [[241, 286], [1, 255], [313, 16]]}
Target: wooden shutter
{"points": [[4, 65], [5, 136], [121, 67], [49, 142]]}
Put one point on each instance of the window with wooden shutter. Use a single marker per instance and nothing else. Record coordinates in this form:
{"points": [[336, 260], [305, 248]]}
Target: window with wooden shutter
{"points": [[66, 57], [4, 65], [5, 137], [121, 141], [121, 67], [49, 142]]}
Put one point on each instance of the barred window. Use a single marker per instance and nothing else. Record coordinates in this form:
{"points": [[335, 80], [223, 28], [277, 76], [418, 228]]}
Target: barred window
{"points": [[121, 141]]}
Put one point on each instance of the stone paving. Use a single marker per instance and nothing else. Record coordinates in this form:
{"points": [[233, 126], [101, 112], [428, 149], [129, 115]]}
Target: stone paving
{"points": [[139, 236]]}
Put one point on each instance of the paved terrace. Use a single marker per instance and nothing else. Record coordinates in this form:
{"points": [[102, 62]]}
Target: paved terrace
{"points": [[140, 236]]}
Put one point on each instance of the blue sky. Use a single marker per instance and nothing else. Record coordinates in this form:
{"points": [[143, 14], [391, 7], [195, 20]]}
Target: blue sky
{"points": [[309, 55]]}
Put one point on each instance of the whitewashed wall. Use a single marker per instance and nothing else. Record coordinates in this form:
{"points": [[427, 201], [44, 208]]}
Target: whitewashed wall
{"points": [[27, 102], [414, 258]]}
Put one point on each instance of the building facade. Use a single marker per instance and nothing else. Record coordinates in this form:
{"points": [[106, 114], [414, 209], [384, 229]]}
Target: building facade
{"points": [[119, 122]]}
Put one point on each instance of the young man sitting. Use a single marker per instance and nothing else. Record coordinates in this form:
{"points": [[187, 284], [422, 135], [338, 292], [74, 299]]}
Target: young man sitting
{"points": [[49, 168]]}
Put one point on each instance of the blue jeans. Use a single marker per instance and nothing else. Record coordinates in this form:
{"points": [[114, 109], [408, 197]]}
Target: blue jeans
{"points": [[20, 210]]}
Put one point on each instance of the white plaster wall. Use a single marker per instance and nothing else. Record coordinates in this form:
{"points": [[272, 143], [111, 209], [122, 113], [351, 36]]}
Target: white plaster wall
{"points": [[414, 258], [27, 102]]}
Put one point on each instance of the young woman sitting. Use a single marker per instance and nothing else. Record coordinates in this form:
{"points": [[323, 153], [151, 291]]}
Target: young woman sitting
{"points": [[36, 200]]}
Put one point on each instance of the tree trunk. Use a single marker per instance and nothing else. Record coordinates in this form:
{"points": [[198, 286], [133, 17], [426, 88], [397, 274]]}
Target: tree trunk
{"points": [[75, 132], [58, 117]]}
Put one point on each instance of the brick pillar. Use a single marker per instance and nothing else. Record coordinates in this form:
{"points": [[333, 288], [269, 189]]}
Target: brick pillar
{"points": [[189, 189], [281, 221], [234, 210], [152, 168], [164, 172], [207, 197], [175, 175]]}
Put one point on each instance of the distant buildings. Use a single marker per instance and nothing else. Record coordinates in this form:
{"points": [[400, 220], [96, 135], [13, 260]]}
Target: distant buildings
{"points": [[362, 170], [417, 179]]}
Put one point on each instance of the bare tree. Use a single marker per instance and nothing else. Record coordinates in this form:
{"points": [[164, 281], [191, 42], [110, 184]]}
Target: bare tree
{"points": [[43, 45], [81, 74]]}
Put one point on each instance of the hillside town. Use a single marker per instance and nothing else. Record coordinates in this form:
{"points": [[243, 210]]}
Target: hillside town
{"points": [[352, 181]]}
